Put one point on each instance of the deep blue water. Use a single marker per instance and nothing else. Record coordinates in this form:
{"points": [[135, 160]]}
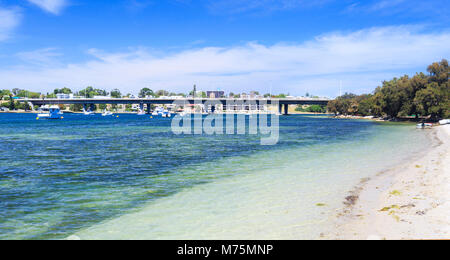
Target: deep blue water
{"points": [[57, 177]]}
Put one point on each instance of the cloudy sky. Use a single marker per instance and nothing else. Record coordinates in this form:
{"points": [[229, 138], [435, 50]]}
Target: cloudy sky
{"points": [[287, 46]]}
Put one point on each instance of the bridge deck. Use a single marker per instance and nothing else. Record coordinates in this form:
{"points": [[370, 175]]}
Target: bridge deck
{"points": [[159, 101]]}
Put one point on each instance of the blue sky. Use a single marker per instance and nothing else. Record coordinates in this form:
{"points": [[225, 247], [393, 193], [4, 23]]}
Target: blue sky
{"points": [[290, 46]]}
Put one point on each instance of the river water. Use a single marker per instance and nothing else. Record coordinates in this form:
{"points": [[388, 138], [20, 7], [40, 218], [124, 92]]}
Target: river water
{"points": [[130, 177]]}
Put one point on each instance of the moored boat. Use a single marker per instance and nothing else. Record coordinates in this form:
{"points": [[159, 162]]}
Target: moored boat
{"points": [[160, 111], [444, 122], [107, 113], [88, 112], [54, 112], [424, 125]]}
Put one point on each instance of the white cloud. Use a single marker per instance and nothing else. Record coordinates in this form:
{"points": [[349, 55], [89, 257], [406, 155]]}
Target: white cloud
{"points": [[241, 6], [361, 59], [386, 4], [434, 10], [41, 57], [9, 19], [51, 6]]}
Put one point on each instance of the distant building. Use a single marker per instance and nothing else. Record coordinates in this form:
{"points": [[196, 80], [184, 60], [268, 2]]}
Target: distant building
{"points": [[215, 94], [64, 96], [254, 94]]}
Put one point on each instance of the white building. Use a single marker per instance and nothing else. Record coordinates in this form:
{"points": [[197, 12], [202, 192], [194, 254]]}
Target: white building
{"points": [[64, 96]]}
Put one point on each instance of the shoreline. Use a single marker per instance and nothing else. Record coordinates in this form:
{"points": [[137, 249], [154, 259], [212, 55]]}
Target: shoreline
{"points": [[409, 201]]}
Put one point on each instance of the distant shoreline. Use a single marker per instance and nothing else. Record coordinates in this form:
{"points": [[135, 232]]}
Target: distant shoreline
{"points": [[99, 112], [409, 201], [378, 119]]}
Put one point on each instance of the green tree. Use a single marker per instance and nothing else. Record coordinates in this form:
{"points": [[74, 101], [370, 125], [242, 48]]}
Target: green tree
{"points": [[15, 91], [90, 92], [161, 93], [365, 105], [27, 94], [317, 109], [115, 93], [4, 93], [439, 72], [12, 105], [62, 91], [432, 101], [76, 107], [146, 92]]}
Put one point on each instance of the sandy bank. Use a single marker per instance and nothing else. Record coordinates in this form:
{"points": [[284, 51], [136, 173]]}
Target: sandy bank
{"points": [[411, 201]]}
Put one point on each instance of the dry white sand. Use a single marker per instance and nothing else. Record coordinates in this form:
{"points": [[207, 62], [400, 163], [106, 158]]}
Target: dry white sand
{"points": [[411, 201]]}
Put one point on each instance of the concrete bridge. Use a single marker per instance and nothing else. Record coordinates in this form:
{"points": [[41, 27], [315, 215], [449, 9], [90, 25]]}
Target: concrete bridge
{"points": [[282, 103]]}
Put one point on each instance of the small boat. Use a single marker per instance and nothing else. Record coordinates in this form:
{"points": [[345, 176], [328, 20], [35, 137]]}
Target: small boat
{"points": [[444, 122], [88, 112], [53, 113], [107, 113], [424, 125], [159, 111]]}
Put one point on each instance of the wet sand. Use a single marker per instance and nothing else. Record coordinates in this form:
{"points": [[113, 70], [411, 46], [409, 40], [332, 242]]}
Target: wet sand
{"points": [[410, 201]]}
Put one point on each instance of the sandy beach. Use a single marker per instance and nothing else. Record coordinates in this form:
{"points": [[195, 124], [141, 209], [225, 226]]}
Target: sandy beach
{"points": [[410, 201]]}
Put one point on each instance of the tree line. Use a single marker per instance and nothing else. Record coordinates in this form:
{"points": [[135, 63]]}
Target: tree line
{"points": [[423, 95]]}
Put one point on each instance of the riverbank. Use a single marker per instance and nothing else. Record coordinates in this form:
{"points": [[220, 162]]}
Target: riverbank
{"points": [[381, 119], [410, 201]]}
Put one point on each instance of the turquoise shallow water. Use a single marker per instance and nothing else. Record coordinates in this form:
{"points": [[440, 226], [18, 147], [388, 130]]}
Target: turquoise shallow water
{"points": [[130, 177]]}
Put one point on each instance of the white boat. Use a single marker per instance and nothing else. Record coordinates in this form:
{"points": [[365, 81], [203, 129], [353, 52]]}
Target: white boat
{"points": [[88, 112], [107, 113], [53, 113], [444, 122], [160, 111], [424, 125]]}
